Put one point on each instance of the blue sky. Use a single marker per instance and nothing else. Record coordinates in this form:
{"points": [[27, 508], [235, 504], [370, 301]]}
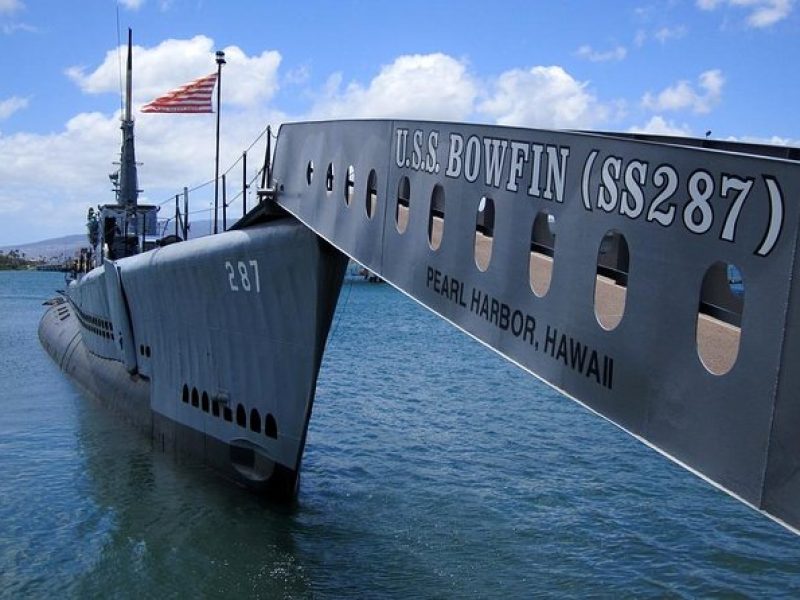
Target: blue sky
{"points": [[682, 67]]}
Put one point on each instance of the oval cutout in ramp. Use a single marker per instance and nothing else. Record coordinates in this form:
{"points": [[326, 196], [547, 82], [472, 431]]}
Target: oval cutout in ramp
{"points": [[309, 172], [436, 217], [611, 280], [484, 233], [372, 193], [349, 184], [403, 204], [542, 253], [719, 317], [329, 178]]}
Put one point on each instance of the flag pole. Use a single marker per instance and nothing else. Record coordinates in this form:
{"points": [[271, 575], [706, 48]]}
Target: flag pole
{"points": [[220, 62]]}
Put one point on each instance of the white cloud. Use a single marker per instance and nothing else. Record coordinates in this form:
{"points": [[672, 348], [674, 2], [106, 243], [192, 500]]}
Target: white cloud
{"points": [[250, 80], [767, 13], [12, 28], [423, 86], [11, 105], [662, 35], [665, 34], [659, 126], [437, 86], [683, 94], [590, 54], [175, 150], [762, 13], [131, 4], [298, 76], [8, 7], [543, 97], [246, 80], [81, 149], [178, 150], [774, 140]]}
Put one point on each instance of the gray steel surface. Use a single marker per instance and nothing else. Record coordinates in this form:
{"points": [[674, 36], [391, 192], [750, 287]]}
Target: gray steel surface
{"points": [[211, 345], [681, 210]]}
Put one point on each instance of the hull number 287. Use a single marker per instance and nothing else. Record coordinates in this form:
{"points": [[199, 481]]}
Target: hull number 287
{"points": [[243, 276]]}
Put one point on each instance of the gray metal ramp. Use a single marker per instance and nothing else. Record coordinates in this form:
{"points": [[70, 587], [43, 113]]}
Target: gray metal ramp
{"points": [[653, 282]]}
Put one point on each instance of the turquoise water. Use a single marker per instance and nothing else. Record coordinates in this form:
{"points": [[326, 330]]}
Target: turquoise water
{"points": [[433, 469]]}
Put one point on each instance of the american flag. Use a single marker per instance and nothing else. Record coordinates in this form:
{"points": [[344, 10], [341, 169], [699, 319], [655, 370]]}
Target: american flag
{"points": [[194, 97]]}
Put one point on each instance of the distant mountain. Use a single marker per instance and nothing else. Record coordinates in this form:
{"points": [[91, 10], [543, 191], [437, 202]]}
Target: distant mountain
{"points": [[52, 249], [61, 248], [200, 228], [197, 228]]}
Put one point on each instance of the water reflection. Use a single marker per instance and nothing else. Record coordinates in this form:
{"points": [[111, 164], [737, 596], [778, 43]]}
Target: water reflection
{"points": [[172, 527], [432, 470]]}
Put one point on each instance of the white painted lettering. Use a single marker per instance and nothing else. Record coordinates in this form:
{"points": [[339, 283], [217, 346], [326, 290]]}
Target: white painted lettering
{"points": [[494, 154], [433, 143], [402, 146], [519, 156], [632, 203], [533, 189], [608, 195], [454, 161], [472, 159], [416, 155], [556, 173]]}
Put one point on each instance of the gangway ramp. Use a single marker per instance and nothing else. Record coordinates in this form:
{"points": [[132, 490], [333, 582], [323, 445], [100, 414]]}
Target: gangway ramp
{"points": [[652, 280]]}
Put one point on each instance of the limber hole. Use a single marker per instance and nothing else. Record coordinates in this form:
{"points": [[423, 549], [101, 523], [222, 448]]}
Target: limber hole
{"points": [[255, 421], [270, 427]]}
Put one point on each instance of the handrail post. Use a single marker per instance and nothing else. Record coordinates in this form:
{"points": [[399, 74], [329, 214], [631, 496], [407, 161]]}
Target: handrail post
{"points": [[185, 213], [244, 183], [224, 205], [220, 62]]}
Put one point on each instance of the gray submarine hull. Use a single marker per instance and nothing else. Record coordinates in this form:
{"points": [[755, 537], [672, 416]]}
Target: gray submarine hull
{"points": [[211, 347]]}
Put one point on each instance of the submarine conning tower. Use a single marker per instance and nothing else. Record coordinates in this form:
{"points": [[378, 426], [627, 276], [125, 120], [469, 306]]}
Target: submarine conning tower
{"points": [[128, 189], [125, 225]]}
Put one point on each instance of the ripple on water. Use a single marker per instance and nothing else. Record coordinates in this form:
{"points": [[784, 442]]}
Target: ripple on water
{"points": [[433, 469]]}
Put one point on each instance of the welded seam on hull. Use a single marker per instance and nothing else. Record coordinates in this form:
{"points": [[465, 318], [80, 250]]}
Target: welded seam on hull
{"points": [[71, 346]]}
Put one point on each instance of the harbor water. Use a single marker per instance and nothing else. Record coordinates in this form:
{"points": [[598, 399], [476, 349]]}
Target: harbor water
{"points": [[433, 469]]}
